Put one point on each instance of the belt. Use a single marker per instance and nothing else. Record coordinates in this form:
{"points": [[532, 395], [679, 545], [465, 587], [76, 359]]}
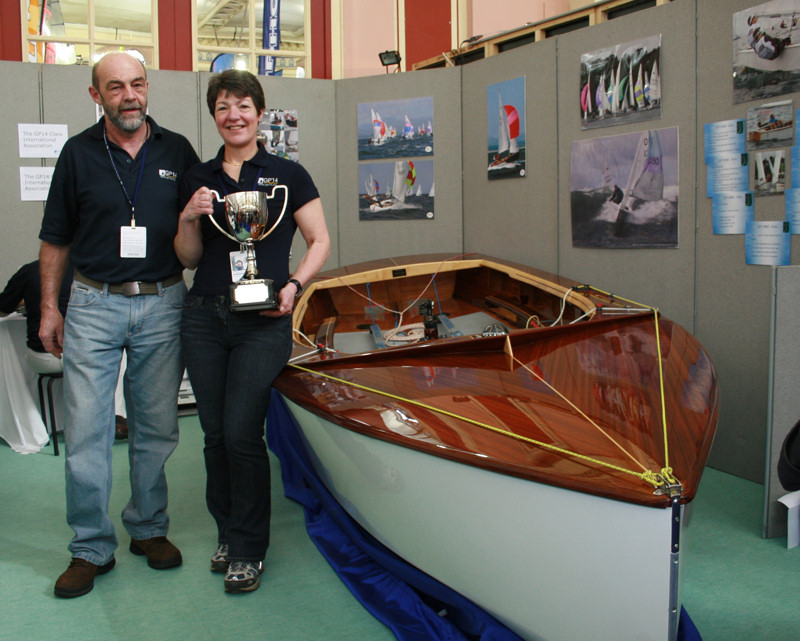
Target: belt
{"points": [[131, 288]]}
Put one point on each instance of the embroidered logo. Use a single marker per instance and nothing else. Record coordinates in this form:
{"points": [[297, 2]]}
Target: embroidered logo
{"points": [[168, 174], [267, 181]]}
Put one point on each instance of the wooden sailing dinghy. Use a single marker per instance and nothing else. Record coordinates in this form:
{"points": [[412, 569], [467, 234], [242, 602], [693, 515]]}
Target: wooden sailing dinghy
{"points": [[529, 441]]}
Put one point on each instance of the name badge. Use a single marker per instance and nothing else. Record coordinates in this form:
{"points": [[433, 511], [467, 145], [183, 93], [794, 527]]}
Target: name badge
{"points": [[133, 242]]}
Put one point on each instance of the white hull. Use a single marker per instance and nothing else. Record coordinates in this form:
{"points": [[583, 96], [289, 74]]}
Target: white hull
{"points": [[551, 564], [772, 134], [503, 165]]}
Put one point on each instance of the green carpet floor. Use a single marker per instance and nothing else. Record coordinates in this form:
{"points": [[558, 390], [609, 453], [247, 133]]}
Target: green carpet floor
{"points": [[737, 586]]}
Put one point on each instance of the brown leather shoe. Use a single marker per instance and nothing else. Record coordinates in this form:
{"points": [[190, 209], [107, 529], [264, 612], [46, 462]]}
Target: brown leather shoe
{"points": [[78, 579], [121, 432], [160, 553]]}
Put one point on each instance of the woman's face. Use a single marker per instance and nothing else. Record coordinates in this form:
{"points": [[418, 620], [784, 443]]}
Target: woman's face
{"points": [[237, 119]]}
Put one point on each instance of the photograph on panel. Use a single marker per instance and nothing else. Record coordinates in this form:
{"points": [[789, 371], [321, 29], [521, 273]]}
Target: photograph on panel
{"points": [[766, 51], [505, 111], [399, 190], [279, 134], [621, 84], [770, 125], [770, 173], [624, 190], [395, 128]]}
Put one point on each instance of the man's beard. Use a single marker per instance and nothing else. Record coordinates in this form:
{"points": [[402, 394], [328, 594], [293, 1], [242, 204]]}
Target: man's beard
{"points": [[126, 123]]}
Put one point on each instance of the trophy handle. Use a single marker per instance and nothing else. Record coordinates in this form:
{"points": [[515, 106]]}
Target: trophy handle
{"points": [[283, 210], [220, 199]]}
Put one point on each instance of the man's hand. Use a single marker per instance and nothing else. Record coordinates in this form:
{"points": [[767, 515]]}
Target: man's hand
{"points": [[51, 331]]}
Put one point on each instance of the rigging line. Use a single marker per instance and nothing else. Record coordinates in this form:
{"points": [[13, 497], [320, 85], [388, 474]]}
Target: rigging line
{"points": [[667, 471], [580, 412], [667, 468], [368, 297], [436, 295], [648, 475], [563, 307]]}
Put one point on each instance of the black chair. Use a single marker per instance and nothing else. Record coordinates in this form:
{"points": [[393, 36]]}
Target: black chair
{"points": [[49, 417]]}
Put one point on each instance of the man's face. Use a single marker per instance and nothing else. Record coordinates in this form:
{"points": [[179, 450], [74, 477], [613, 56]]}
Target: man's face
{"points": [[122, 91]]}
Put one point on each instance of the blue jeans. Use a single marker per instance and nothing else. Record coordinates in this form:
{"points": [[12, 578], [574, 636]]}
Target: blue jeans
{"points": [[232, 359], [97, 328]]}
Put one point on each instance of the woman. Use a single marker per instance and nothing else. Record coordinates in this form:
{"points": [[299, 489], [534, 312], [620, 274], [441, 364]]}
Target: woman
{"points": [[232, 357]]}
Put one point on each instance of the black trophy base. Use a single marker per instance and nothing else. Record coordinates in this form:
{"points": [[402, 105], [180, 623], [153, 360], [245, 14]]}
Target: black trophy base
{"points": [[253, 294]]}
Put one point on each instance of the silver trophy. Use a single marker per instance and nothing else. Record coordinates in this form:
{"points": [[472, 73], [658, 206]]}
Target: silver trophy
{"points": [[247, 215]]}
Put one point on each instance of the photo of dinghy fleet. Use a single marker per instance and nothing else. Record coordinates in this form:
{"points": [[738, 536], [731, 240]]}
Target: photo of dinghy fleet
{"points": [[400, 131], [621, 84]]}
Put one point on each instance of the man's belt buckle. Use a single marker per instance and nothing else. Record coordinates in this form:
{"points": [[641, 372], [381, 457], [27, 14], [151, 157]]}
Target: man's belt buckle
{"points": [[130, 288]]}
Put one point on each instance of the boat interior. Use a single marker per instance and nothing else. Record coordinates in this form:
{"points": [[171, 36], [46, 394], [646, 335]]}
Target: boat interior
{"points": [[385, 307]]}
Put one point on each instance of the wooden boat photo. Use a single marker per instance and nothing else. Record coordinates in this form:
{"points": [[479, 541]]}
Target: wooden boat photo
{"points": [[529, 441]]}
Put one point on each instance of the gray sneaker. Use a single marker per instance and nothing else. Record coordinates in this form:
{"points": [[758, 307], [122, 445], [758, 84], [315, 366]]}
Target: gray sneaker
{"points": [[243, 576], [219, 560]]}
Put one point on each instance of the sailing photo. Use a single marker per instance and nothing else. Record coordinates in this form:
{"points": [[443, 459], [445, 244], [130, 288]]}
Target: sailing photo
{"points": [[766, 50], [395, 128], [399, 190], [770, 125], [621, 84], [505, 109], [278, 132], [770, 173], [624, 190]]}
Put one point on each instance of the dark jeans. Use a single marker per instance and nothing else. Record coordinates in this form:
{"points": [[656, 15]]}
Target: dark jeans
{"points": [[232, 359]]}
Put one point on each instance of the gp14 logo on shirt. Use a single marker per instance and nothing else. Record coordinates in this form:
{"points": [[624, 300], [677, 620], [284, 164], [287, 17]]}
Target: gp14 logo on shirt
{"points": [[168, 174]]}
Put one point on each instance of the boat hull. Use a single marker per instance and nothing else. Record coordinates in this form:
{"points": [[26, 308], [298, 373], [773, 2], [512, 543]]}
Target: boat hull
{"points": [[540, 471], [551, 564]]}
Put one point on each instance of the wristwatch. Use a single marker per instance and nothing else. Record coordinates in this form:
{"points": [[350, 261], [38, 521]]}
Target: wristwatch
{"points": [[296, 284]]}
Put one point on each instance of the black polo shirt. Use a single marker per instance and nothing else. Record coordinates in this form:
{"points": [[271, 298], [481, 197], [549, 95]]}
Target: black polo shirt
{"points": [[87, 205], [26, 286], [260, 173]]}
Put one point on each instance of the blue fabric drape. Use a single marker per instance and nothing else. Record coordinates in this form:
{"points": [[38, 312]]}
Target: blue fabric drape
{"points": [[413, 605]]}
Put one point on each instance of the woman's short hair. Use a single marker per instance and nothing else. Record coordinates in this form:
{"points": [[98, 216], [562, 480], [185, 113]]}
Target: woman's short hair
{"points": [[240, 83]]}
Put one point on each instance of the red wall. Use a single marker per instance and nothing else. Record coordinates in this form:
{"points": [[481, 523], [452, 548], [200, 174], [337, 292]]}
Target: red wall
{"points": [[427, 30], [10, 30], [320, 39], [175, 35]]}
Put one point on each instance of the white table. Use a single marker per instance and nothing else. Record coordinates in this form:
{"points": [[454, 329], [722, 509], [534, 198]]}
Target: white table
{"points": [[21, 424]]}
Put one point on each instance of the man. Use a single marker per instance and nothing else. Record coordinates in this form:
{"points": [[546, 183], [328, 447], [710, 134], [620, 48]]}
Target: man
{"points": [[764, 44], [112, 213], [24, 287]]}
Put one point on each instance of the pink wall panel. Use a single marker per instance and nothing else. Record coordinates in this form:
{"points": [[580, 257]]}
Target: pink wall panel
{"points": [[368, 28]]}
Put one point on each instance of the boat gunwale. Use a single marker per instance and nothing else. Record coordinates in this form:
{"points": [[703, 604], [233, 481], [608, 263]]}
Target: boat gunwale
{"points": [[552, 285]]}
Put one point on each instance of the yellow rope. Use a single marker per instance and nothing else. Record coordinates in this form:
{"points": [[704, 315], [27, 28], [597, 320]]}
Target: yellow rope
{"points": [[581, 413], [647, 475], [667, 470]]}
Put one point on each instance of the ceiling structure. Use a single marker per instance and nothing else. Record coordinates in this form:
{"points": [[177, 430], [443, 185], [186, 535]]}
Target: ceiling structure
{"points": [[220, 22]]}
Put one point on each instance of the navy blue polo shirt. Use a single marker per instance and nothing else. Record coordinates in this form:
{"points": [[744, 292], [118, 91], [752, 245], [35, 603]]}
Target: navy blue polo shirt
{"points": [[260, 173], [87, 205]]}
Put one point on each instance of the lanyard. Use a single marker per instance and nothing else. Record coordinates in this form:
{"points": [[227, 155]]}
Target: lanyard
{"points": [[131, 202]]}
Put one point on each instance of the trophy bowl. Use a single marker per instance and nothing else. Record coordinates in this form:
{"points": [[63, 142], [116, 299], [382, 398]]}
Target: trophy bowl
{"points": [[247, 214]]}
